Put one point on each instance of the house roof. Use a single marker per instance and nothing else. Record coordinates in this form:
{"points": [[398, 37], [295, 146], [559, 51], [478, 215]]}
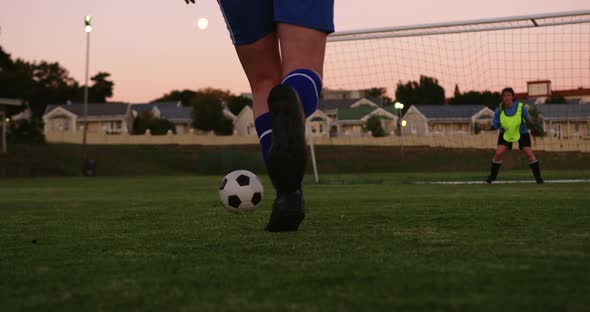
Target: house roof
{"points": [[354, 113], [94, 109], [449, 111], [564, 111], [336, 104], [344, 103], [574, 101], [572, 92], [141, 107], [357, 113], [176, 113]]}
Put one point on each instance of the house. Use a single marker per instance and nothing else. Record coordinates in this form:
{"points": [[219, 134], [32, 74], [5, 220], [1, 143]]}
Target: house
{"points": [[110, 118], [179, 115], [566, 120], [351, 121], [424, 120], [330, 107], [244, 122], [139, 108], [318, 124], [541, 90]]}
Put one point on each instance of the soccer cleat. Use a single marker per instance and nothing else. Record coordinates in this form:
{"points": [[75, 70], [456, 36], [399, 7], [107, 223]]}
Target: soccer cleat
{"points": [[287, 213], [540, 181], [287, 155], [490, 179]]}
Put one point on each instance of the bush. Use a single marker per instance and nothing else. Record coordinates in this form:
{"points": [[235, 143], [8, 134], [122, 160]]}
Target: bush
{"points": [[373, 124], [146, 120], [25, 131]]}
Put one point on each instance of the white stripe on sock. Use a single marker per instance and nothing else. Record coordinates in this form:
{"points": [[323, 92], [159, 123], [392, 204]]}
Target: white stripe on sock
{"points": [[265, 133], [534, 161], [315, 87]]}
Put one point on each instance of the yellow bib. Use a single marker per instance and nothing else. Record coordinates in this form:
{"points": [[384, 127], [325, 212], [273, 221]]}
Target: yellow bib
{"points": [[511, 124]]}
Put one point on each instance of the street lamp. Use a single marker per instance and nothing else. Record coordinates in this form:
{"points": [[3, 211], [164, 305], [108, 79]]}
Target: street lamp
{"points": [[89, 167], [399, 107], [88, 29]]}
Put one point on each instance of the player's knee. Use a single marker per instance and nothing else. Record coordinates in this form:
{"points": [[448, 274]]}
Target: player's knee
{"points": [[265, 83]]}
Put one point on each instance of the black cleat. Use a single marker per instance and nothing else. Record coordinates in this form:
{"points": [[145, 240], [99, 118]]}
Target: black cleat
{"points": [[287, 155], [490, 179], [287, 213], [540, 181]]}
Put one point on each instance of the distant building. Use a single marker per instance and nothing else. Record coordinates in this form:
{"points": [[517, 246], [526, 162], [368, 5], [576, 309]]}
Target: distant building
{"points": [[426, 120]]}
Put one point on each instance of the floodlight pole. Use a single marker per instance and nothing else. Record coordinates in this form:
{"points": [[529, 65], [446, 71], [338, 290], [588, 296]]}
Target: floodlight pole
{"points": [[88, 29], [399, 106]]}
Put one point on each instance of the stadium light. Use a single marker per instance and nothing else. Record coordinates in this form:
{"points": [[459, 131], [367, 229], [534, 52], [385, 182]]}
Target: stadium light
{"points": [[398, 105], [404, 123], [87, 23]]}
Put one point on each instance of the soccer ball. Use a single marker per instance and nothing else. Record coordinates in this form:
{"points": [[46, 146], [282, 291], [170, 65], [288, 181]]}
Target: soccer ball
{"points": [[240, 191]]}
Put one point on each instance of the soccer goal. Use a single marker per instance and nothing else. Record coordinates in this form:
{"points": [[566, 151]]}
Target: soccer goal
{"points": [[486, 54]]}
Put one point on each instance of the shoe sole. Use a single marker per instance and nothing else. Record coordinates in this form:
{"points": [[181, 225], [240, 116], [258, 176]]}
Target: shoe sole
{"points": [[287, 156], [288, 217]]}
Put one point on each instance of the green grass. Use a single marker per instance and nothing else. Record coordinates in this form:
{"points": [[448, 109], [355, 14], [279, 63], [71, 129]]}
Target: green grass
{"points": [[370, 242]]}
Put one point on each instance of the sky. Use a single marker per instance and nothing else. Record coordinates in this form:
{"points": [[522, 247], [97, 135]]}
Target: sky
{"points": [[154, 46]]}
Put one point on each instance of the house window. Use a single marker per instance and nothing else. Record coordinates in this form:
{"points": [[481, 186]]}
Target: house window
{"points": [[577, 127], [321, 128]]}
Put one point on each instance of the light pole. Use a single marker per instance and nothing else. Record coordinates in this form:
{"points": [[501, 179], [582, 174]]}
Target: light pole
{"points": [[88, 29], [89, 166], [400, 123]]}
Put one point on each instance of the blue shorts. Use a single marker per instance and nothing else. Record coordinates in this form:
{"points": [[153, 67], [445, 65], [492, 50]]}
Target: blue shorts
{"points": [[250, 20]]}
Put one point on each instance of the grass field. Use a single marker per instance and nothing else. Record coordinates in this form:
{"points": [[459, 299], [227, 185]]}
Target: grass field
{"points": [[370, 242]]}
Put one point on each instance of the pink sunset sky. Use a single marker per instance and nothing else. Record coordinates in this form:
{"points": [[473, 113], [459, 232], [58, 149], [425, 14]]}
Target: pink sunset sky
{"points": [[152, 47]]}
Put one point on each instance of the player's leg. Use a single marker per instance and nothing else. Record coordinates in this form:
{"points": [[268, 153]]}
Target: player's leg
{"points": [[497, 161], [302, 51], [252, 30], [525, 146], [302, 29]]}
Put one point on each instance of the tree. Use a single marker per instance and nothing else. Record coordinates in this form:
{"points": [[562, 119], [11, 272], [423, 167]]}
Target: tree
{"points": [[378, 93], [207, 113], [237, 103], [556, 99], [373, 124], [486, 98], [25, 131], [423, 92], [146, 120], [184, 96], [101, 89], [6, 63], [375, 92], [51, 84]]}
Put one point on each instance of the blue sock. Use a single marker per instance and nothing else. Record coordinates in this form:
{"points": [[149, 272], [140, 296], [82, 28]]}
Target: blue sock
{"points": [[308, 86], [264, 130]]}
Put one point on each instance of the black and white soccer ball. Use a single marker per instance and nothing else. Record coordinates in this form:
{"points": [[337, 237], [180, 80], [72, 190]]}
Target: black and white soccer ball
{"points": [[241, 191]]}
